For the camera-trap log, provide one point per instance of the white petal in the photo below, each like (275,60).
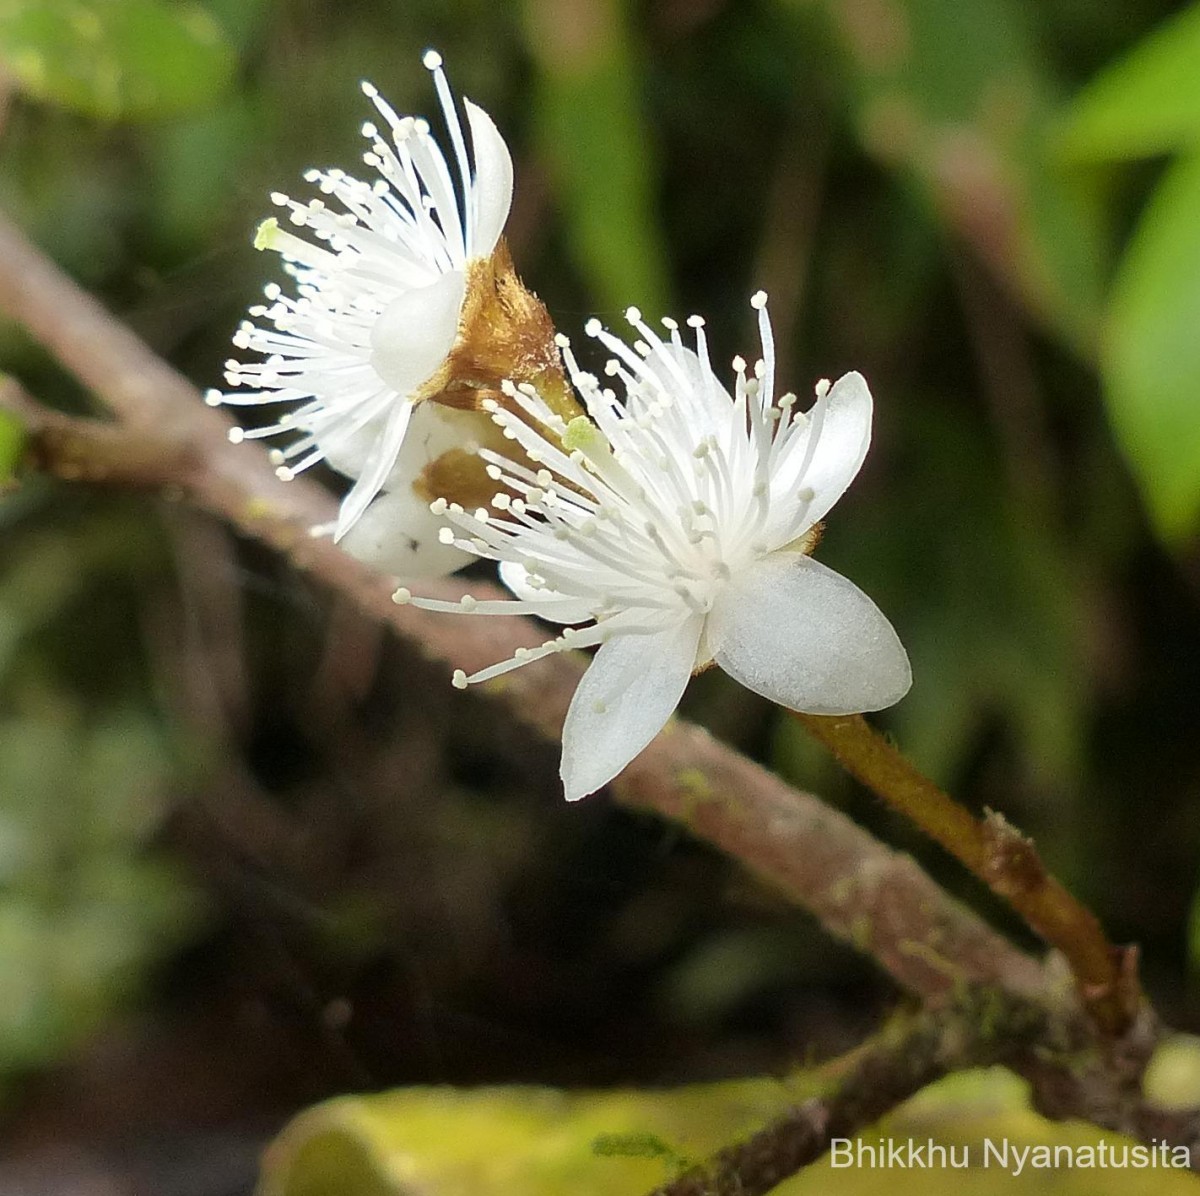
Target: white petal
(805,637)
(542,603)
(434,430)
(379,464)
(843,443)
(491,194)
(627,694)
(416,331)
(398,535)
(691,384)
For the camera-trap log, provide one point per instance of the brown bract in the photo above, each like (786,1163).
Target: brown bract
(505,334)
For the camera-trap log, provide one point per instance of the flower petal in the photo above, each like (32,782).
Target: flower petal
(692,385)
(379,465)
(543,603)
(805,637)
(434,430)
(416,331)
(398,535)
(491,193)
(623,700)
(843,437)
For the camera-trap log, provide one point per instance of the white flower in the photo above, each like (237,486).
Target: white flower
(676,527)
(377,305)
(398,533)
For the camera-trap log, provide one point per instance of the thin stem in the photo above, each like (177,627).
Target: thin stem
(911,1050)
(1004,859)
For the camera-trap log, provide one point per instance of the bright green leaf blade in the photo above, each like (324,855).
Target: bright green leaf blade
(1146,103)
(1152,354)
(12,449)
(114,59)
(596,142)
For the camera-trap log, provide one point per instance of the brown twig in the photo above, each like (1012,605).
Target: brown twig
(1004,859)
(85,450)
(912,1050)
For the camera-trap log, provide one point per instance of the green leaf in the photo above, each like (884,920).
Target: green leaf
(1144,104)
(594,137)
(1152,355)
(114,59)
(955,97)
(12,448)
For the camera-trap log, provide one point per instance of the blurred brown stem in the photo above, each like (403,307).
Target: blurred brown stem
(1004,859)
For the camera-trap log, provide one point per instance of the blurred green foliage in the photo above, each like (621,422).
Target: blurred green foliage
(1145,104)
(115,59)
(84,909)
(593,134)
(914,184)
(955,95)
(88,904)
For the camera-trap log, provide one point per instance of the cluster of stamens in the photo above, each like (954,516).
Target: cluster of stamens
(638,514)
(402,230)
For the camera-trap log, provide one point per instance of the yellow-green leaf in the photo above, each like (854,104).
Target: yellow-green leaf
(1146,103)
(12,448)
(542,1142)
